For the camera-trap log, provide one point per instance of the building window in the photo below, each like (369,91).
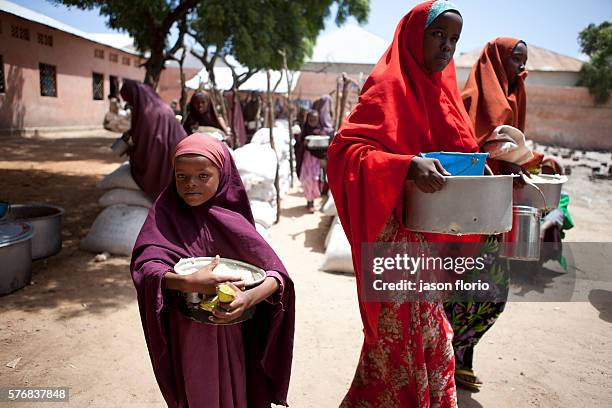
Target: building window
(126,61)
(20,32)
(136,63)
(99,54)
(48,80)
(113,57)
(98,86)
(45,39)
(2,88)
(114,86)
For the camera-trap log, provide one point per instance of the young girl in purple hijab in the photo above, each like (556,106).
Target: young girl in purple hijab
(205,212)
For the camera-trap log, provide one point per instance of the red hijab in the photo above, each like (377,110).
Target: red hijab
(403,110)
(485,94)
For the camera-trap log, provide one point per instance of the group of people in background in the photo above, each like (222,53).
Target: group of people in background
(414,353)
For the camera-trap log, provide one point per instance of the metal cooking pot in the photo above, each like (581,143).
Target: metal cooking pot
(543,192)
(465,205)
(522,242)
(47,222)
(15,256)
(317,142)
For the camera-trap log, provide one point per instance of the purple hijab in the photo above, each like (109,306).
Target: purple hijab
(224,225)
(154,132)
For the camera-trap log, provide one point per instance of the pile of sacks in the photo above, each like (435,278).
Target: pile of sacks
(125,206)
(257,164)
(337,246)
(116,228)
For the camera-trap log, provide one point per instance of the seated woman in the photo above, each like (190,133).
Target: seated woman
(205,212)
(202,112)
(154,134)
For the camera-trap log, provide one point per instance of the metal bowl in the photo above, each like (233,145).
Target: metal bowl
(47,222)
(15,256)
(316,142)
(465,205)
(189,303)
(543,192)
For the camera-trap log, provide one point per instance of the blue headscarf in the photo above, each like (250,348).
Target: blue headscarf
(439,7)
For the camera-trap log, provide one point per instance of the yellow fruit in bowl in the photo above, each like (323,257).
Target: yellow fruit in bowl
(225,293)
(209,304)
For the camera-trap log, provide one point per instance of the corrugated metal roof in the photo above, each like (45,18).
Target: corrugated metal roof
(108,39)
(540,59)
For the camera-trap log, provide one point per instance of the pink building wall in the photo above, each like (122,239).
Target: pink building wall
(23,108)
(567,116)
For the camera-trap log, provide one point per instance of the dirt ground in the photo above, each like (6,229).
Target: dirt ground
(77,325)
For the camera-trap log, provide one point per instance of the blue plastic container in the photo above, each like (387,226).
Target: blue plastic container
(460,164)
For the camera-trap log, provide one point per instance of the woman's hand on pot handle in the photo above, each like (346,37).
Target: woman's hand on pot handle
(427,174)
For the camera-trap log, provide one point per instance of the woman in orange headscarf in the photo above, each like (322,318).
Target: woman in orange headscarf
(494,95)
(409,104)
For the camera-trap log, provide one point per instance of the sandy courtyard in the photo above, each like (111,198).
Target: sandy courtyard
(78,326)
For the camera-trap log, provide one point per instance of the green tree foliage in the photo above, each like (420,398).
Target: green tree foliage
(148,22)
(253,32)
(596,42)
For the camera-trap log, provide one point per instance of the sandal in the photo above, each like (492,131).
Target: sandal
(466,378)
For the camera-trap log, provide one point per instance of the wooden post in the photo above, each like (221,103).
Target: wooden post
(289,117)
(345,83)
(272,144)
(337,106)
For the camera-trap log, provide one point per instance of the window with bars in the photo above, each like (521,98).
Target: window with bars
(98,86)
(2,88)
(48,80)
(20,32)
(98,53)
(113,57)
(126,61)
(45,39)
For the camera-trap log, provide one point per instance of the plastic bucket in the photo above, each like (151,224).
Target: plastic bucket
(460,164)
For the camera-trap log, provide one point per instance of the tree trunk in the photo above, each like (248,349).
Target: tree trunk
(183,99)
(155,63)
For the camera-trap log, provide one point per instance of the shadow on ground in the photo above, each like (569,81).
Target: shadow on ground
(15,148)
(70,281)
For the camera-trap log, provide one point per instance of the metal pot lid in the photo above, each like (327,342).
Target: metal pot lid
(14,232)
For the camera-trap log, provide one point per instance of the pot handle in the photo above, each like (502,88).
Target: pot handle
(527,180)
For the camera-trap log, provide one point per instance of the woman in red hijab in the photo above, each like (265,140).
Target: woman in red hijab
(409,104)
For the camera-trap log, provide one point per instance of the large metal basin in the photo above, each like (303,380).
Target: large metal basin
(15,256)
(543,193)
(47,222)
(465,205)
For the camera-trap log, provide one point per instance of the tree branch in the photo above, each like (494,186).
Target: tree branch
(179,12)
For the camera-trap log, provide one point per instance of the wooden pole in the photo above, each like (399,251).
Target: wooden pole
(337,106)
(289,116)
(272,144)
(345,83)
